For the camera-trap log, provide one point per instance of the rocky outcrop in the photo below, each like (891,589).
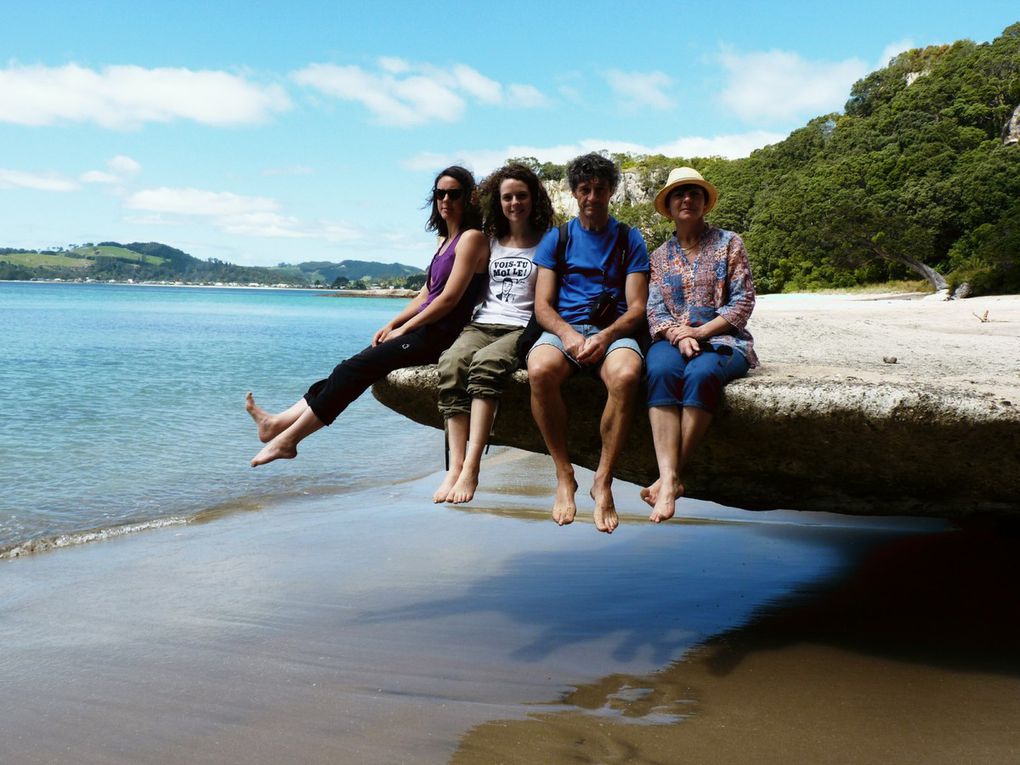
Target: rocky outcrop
(629,191)
(1011,130)
(807,444)
(885,425)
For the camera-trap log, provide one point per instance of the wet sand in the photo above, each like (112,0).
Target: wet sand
(375,627)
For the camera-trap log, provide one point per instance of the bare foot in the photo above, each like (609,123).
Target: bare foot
(650,494)
(605,509)
(564,507)
(274,451)
(665,502)
(266,423)
(443,492)
(464,489)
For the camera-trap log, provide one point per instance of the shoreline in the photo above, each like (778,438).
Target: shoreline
(331,631)
(397,292)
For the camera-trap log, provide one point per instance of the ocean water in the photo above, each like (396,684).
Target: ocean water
(122,407)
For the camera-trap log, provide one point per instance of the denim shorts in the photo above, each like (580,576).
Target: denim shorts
(586,331)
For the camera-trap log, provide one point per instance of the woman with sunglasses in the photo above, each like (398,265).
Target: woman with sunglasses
(417,335)
(475,369)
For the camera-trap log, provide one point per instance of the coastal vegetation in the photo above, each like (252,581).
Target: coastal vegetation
(919,176)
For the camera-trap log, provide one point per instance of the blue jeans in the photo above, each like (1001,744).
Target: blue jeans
(674,380)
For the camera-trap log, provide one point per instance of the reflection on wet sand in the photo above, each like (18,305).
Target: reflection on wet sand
(913,655)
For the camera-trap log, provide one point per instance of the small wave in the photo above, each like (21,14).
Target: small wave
(251,503)
(71,539)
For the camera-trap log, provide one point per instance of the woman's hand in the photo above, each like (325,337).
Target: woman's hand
(676,334)
(689,347)
(382,335)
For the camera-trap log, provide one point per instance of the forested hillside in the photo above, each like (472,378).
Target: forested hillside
(918,176)
(155,262)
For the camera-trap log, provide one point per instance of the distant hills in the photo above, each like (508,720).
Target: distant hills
(155,262)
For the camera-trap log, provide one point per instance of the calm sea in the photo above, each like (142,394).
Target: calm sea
(122,407)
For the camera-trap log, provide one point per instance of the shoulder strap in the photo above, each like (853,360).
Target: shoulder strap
(561,248)
(622,241)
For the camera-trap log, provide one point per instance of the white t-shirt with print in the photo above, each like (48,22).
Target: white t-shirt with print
(511,295)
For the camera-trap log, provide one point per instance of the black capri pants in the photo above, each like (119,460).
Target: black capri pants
(352,377)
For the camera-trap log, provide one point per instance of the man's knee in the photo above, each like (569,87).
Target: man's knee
(624,374)
(547,367)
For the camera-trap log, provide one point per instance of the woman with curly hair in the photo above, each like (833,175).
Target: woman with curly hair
(417,335)
(475,369)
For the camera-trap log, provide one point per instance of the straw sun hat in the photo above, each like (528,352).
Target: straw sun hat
(685,176)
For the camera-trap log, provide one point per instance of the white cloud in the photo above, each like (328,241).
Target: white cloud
(779,85)
(477,84)
(124,165)
(236,214)
(262,224)
(119,170)
(128,96)
(394,65)
(393,101)
(641,89)
(525,97)
(404,94)
(18,179)
(484,161)
(731,146)
(892,50)
(197,202)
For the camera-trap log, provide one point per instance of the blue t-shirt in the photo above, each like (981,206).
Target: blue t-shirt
(591,266)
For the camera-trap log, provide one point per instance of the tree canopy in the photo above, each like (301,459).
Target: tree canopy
(912,178)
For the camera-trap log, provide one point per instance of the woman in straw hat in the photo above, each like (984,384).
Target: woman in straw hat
(700,298)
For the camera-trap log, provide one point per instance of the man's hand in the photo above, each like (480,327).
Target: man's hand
(594,350)
(573,343)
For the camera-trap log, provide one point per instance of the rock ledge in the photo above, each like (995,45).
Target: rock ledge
(935,434)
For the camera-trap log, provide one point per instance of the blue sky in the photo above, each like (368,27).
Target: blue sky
(263,132)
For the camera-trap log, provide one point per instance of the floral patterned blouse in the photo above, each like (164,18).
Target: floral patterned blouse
(717,283)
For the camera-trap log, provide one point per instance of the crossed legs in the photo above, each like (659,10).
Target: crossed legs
(281,433)
(676,433)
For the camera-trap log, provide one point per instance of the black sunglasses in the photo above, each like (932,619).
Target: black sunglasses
(453,194)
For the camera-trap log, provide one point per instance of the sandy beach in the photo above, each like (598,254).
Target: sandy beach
(379,628)
(971,344)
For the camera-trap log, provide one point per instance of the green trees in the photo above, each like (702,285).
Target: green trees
(913,177)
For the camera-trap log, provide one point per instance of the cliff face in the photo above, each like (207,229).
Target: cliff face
(826,424)
(628,191)
(1011,130)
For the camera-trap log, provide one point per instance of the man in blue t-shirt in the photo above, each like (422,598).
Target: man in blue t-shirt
(591,304)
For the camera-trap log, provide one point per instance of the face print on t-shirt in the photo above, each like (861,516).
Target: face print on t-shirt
(512,271)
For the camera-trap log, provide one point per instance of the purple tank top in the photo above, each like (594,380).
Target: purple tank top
(439,271)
